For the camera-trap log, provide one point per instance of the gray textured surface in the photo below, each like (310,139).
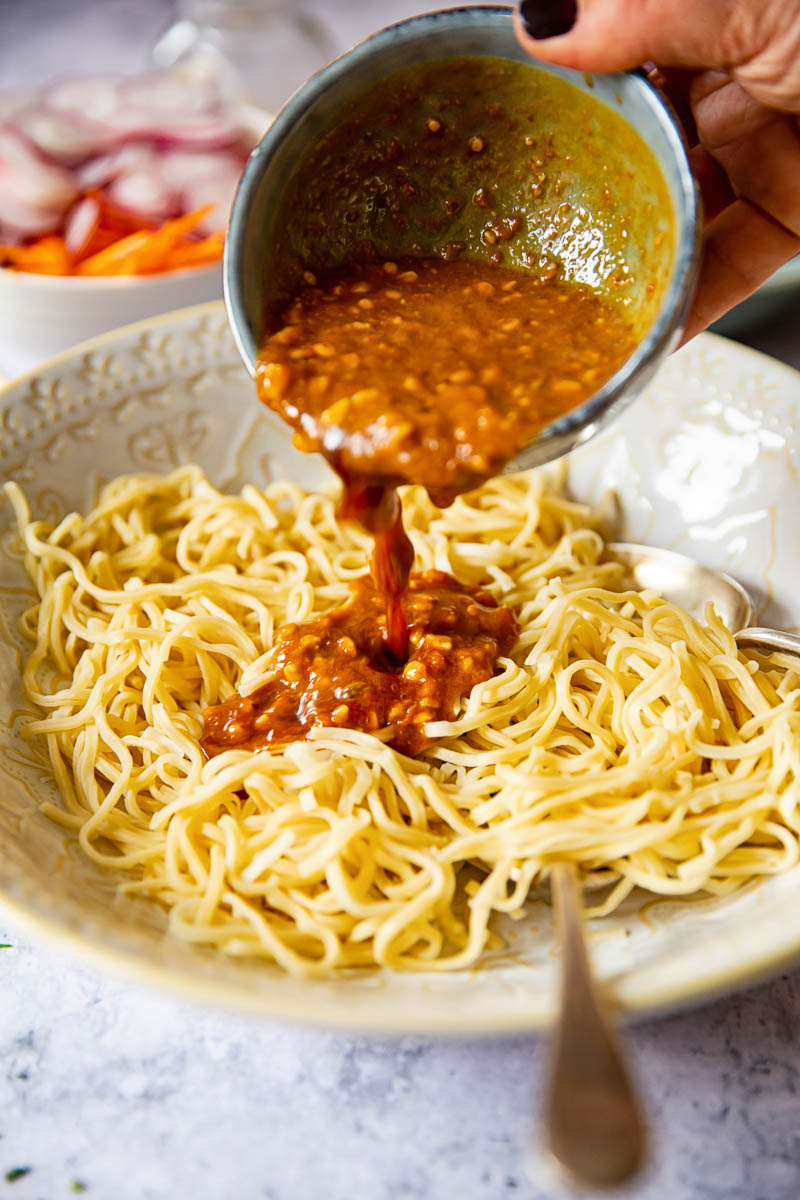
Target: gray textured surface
(141,1097)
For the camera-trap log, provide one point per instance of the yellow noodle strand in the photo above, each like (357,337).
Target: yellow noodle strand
(621,734)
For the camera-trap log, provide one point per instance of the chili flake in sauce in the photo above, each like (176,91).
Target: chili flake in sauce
(332,670)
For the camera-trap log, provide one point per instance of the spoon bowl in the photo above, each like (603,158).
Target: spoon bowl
(684,582)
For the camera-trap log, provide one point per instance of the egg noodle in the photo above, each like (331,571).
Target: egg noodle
(620,735)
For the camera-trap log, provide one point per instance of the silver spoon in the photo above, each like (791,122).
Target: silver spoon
(594,1124)
(685,582)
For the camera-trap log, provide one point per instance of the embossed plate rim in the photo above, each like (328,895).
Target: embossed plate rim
(665,991)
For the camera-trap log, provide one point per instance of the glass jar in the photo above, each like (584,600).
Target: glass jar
(258,50)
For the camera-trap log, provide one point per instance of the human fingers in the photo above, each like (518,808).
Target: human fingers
(615,35)
(745,156)
(743,246)
(715,187)
(757,147)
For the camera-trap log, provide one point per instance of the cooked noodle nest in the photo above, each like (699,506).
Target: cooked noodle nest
(621,734)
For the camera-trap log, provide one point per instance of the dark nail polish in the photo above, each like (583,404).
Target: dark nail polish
(547,18)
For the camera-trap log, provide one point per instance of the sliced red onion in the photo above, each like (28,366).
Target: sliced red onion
(90,98)
(97,172)
(12,102)
(183,166)
(163,108)
(9,236)
(170,95)
(217,188)
(136,179)
(26,220)
(18,155)
(63,137)
(70,139)
(217,133)
(157,145)
(205,179)
(145,193)
(34,194)
(81,223)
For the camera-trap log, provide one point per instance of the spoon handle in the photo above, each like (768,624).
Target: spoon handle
(594,1127)
(769,639)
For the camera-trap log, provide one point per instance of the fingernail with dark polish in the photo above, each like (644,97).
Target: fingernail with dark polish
(547,18)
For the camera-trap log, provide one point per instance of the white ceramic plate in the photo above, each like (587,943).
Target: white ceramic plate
(706,462)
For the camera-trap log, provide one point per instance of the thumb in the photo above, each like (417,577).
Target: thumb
(615,35)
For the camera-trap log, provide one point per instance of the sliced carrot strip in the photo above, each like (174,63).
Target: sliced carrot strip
(142,250)
(116,219)
(190,254)
(46,256)
(113,260)
(100,239)
(152,254)
(143,253)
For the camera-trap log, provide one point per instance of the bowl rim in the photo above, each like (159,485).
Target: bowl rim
(93,283)
(663,336)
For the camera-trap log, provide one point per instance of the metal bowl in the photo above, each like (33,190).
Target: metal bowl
(255,266)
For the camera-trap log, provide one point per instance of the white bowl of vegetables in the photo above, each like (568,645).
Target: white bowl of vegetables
(114,196)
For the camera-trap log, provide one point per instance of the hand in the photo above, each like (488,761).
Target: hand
(732,71)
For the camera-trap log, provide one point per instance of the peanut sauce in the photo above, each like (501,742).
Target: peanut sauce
(333,669)
(507,305)
(421,371)
(434,372)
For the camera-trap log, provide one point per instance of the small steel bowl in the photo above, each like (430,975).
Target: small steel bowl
(253,268)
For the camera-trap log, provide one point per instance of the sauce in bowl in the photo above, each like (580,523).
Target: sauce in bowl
(434,372)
